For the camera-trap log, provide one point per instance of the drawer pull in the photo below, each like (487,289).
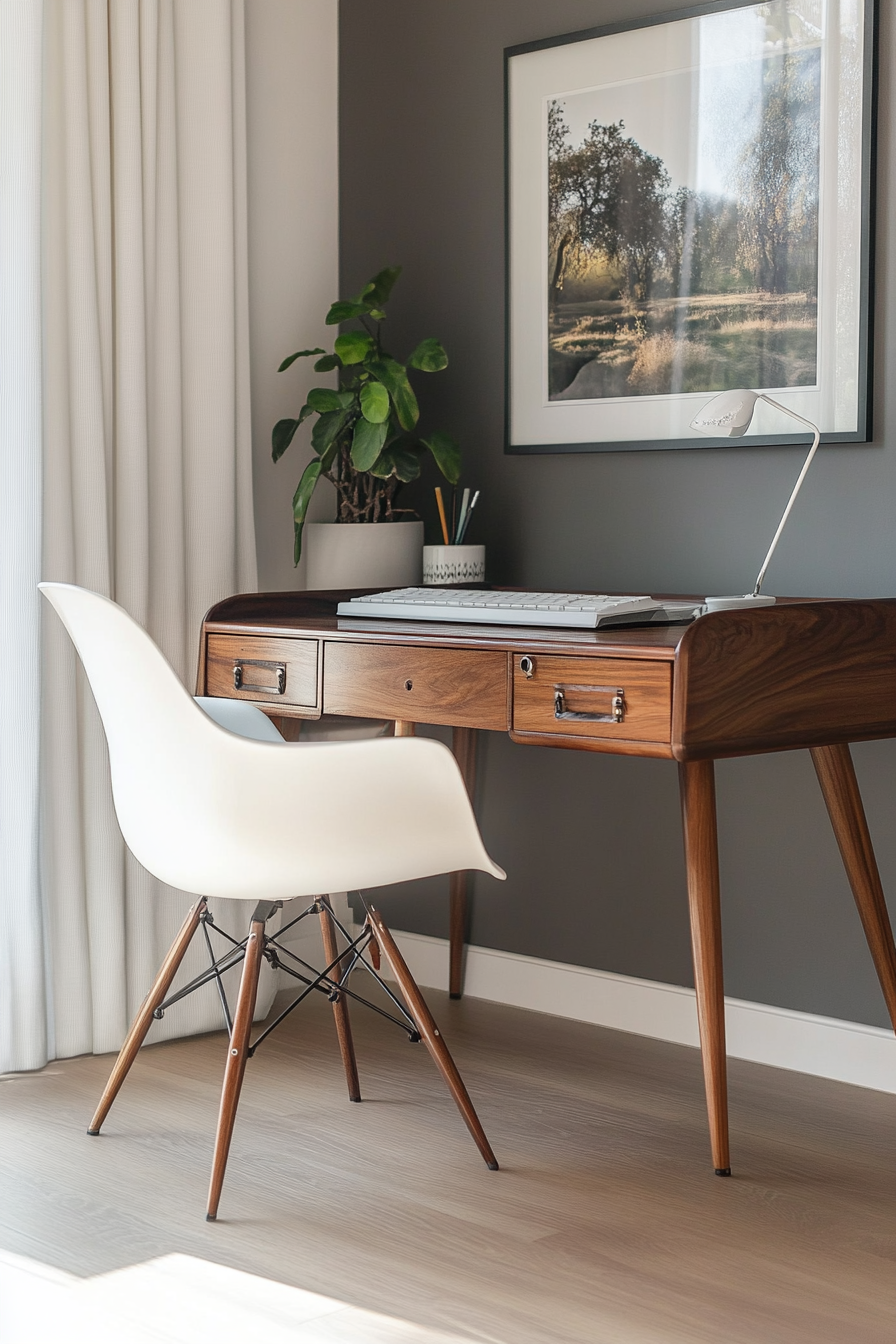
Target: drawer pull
(617,704)
(240,684)
(527,665)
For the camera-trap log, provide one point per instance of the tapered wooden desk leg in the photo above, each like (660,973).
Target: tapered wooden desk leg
(237,1054)
(143,1021)
(840,788)
(340,1004)
(431,1036)
(698,806)
(464,747)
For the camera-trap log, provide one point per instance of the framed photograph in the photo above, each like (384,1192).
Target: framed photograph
(689,211)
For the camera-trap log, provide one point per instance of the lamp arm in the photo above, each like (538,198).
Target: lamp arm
(796,489)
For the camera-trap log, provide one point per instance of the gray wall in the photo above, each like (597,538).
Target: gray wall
(591,843)
(292,154)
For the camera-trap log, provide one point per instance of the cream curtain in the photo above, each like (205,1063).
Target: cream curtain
(147,491)
(22,1016)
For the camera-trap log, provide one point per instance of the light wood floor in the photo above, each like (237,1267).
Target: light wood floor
(604,1224)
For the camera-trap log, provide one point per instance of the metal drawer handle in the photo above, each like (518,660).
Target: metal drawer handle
(617,704)
(240,684)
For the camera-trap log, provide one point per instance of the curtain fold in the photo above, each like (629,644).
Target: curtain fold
(147,493)
(23,1037)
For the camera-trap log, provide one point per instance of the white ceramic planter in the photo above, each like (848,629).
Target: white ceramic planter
(363,555)
(453,564)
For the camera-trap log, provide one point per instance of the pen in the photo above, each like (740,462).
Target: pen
(463,532)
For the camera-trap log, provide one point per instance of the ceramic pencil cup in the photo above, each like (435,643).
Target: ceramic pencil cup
(445,565)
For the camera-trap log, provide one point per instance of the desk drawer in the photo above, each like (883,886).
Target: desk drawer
(466,688)
(623,698)
(253,667)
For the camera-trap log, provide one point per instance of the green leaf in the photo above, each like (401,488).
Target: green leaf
(282,437)
(377,314)
(367,443)
(374,403)
(429,356)
(327,363)
(407,463)
(322,399)
(300,501)
(326,458)
(399,459)
(380,287)
(327,429)
(394,378)
(300,354)
(446,453)
(343,311)
(353,346)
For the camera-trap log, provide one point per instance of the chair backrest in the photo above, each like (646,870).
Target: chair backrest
(137,691)
(160,742)
(220,814)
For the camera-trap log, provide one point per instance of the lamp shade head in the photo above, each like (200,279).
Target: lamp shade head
(728,415)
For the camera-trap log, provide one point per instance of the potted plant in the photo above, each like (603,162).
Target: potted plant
(364,437)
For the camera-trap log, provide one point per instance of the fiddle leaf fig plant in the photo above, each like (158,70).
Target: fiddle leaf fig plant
(364,438)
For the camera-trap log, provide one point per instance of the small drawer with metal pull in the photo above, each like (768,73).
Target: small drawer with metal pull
(629,699)
(255,667)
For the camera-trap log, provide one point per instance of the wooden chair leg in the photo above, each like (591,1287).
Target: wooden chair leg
(143,1021)
(840,788)
(698,805)
(237,1054)
(431,1036)
(340,1003)
(464,747)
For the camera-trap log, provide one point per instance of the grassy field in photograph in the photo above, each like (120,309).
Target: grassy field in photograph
(610,348)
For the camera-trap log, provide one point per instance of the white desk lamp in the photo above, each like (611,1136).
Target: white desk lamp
(728,416)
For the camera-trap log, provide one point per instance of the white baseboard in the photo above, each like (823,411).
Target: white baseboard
(848,1052)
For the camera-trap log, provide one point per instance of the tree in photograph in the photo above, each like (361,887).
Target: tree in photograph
(560,230)
(607,197)
(637,235)
(583,193)
(683,250)
(778,176)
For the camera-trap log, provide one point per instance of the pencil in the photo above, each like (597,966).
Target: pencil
(444,520)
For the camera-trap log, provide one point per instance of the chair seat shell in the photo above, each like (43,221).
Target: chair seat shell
(226,816)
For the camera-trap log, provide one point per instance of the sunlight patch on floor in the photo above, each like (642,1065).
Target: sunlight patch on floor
(179,1299)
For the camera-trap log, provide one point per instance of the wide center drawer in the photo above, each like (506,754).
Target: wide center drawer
(270,670)
(466,688)
(623,698)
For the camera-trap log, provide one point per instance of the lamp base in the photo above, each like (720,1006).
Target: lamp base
(734,603)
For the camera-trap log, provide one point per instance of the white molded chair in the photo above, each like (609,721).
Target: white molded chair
(212,800)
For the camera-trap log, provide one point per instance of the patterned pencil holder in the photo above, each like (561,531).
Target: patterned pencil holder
(445,565)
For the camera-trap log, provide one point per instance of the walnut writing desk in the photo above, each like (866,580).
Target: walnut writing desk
(815,674)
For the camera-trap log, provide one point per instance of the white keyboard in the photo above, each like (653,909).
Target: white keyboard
(587,610)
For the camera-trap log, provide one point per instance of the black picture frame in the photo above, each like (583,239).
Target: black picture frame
(538,418)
